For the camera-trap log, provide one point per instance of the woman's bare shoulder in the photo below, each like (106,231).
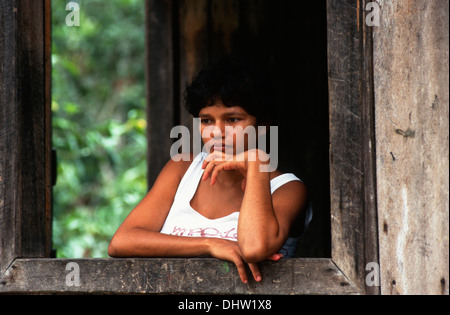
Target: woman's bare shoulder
(180,163)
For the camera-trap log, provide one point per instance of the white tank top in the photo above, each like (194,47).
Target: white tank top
(183,220)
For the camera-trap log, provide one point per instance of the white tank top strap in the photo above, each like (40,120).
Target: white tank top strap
(190,180)
(279,181)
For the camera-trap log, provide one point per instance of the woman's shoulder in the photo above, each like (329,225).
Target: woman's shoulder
(289,181)
(180,163)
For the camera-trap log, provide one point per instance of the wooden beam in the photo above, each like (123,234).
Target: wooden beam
(171,276)
(412,125)
(193,48)
(352,141)
(25,194)
(50,171)
(161,113)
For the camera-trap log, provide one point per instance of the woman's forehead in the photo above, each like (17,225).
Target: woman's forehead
(221,109)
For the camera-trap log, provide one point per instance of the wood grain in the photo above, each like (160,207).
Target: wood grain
(352,138)
(24,132)
(160,84)
(412,122)
(174,276)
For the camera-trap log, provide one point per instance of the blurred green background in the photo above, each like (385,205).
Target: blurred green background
(98,107)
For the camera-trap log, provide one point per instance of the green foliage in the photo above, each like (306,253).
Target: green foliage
(98,107)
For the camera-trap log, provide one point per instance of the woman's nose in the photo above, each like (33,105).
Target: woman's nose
(220,126)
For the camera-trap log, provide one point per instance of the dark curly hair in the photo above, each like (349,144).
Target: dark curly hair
(235,82)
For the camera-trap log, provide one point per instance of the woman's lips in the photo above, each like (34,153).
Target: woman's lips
(221,147)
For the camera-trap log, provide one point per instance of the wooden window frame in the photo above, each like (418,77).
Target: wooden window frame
(25,163)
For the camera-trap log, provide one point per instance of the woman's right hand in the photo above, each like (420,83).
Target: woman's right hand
(229,251)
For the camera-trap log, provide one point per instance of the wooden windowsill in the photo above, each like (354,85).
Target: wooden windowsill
(302,276)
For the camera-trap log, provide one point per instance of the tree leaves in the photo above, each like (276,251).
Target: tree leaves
(98,107)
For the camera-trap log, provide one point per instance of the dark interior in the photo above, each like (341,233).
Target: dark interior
(290,38)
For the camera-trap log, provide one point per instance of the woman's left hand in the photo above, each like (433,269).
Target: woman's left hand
(219,161)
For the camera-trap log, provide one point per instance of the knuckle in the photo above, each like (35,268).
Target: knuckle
(239,264)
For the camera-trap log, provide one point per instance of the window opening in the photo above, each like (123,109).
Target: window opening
(99,114)
(98,121)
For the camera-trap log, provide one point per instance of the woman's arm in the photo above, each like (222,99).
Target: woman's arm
(258,225)
(265,219)
(139,235)
(138,242)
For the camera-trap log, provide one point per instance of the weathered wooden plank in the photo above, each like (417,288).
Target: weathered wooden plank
(172,276)
(50,172)
(370,219)
(352,170)
(224,27)
(194,48)
(24,123)
(160,84)
(8,149)
(412,122)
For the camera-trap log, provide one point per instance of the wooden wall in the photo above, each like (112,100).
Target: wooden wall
(411,64)
(25,131)
(402,75)
(352,136)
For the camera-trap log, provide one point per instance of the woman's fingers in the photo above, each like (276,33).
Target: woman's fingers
(275,257)
(255,271)
(210,162)
(240,265)
(229,251)
(208,169)
(214,167)
(220,167)
(215,173)
(218,156)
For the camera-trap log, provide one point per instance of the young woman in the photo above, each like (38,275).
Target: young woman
(216,203)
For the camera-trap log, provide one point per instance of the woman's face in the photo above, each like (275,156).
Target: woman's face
(223,128)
